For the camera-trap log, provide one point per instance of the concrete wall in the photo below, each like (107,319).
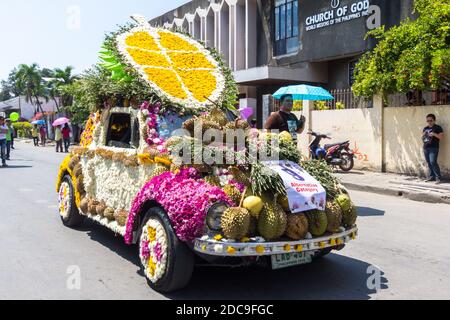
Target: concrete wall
(403,144)
(386,139)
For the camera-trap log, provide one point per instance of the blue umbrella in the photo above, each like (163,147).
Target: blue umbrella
(39,122)
(304,92)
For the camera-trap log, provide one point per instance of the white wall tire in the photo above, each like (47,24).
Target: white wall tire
(166,262)
(68,211)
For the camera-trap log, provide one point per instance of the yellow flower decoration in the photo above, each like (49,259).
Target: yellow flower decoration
(175,66)
(260,249)
(142,40)
(171,41)
(287,248)
(151,234)
(151,266)
(218,237)
(231,250)
(63,168)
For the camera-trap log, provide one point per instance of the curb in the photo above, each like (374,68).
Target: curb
(415,196)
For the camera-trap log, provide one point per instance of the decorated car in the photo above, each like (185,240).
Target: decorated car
(166,162)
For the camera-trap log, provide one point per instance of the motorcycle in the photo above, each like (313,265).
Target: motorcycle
(336,154)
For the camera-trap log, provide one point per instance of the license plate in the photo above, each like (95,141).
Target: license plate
(287,260)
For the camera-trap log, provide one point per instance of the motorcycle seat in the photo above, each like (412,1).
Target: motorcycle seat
(328,146)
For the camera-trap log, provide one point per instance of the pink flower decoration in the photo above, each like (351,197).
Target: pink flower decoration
(184,197)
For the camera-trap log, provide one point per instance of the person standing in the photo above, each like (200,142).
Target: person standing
(58,139)
(285,120)
(9,139)
(35,135)
(66,136)
(432,135)
(3,132)
(43,134)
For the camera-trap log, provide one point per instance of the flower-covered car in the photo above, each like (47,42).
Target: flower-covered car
(164,163)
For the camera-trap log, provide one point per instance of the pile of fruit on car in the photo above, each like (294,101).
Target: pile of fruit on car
(261,205)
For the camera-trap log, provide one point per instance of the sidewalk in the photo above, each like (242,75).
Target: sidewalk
(396,185)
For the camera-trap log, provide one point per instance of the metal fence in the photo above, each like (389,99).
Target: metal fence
(418,98)
(345,99)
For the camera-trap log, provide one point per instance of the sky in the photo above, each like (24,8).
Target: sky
(58,33)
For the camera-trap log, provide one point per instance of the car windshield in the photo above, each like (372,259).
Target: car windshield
(172,121)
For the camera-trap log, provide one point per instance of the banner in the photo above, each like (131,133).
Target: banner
(304,192)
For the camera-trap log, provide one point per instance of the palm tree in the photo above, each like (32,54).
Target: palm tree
(29,80)
(61,77)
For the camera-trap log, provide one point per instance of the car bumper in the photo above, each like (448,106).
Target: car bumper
(213,247)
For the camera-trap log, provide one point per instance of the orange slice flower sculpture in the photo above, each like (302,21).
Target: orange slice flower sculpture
(174,65)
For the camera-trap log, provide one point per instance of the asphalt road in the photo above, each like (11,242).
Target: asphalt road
(409,242)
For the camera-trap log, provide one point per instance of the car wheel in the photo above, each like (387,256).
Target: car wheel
(166,261)
(68,209)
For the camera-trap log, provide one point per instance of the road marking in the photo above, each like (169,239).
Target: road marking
(25,190)
(41,201)
(53,206)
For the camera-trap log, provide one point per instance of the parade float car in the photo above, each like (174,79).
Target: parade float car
(238,210)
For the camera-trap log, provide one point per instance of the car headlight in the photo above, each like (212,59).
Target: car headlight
(214,216)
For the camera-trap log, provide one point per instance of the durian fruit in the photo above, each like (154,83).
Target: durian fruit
(101,208)
(80,185)
(159,170)
(297,226)
(236,223)
(77,170)
(189,125)
(349,211)
(109,213)
(239,176)
(334,217)
(254,205)
(318,222)
(233,193)
(218,116)
(213,180)
(272,221)
(173,141)
(121,217)
(350,217)
(84,204)
(92,206)
(73,162)
(344,202)
(283,201)
(208,124)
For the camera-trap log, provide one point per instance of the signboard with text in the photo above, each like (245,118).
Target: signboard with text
(304,192)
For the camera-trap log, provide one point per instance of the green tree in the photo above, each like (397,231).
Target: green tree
(29,81)
(414,55)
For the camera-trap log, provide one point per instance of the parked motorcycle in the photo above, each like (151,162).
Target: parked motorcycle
(336,154)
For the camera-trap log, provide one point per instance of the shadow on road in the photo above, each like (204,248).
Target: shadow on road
(332,277)
(10,166)
(370,212)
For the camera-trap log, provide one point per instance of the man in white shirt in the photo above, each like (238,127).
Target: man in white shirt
(3,131)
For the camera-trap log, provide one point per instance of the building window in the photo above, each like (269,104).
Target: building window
(286,27)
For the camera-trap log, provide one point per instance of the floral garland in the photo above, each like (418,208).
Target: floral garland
(63,169)
(153,138)
(184,197)
(88,134)
(153,250)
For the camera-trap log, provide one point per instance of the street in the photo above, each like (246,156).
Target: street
(408,241)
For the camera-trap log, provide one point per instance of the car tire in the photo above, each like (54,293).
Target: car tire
(166,262)
(68,210)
